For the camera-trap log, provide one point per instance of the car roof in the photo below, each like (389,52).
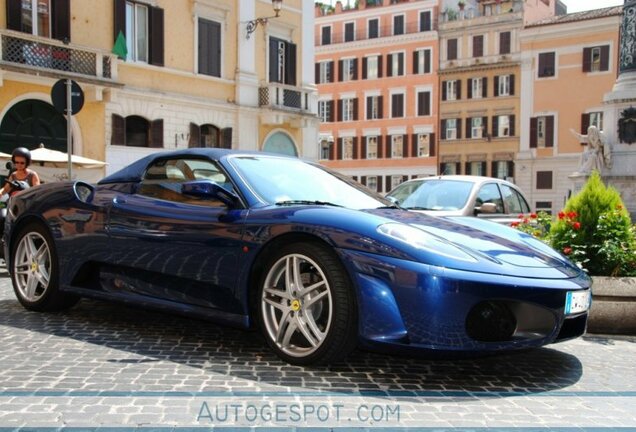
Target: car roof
(135,171)
(469,178)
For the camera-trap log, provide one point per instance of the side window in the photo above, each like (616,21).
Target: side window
(165,178)
(514,201)
(489,193)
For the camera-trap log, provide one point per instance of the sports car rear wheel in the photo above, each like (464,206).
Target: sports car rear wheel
(34,271)
(307,308)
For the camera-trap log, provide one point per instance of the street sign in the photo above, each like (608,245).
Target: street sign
(59,96)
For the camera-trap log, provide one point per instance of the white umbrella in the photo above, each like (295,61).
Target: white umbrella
(43,154)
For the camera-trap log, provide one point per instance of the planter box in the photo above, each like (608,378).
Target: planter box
(613,308)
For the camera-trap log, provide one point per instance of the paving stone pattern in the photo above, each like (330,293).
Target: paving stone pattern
(107,365)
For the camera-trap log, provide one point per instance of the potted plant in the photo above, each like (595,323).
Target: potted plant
(461,4)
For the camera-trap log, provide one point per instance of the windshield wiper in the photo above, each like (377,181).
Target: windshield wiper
(418,208)
(307,202)
(392,206)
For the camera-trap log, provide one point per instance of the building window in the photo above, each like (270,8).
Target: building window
(398,24)
(544,180)
(282,61)
(395,181)
(425,21)
(35,17)
(137,25)
(347,148)
(596,59)
(374,28)
(325,149)
(504,42)
(477,168)
(542,132)
(348,109)
(374,107)
(372,183)
(503,85)
(451,129)
(136,131)
(371,67)
(476,127)
(325,72)
(450,90)
(544,206)
(397,146)
(546,65)
(395,64)
(325,33)
(477,88)
(349,32)
(137,22)
(422,61)
(372,147)
(502,169)
(210,48)
(478,46)
(325,111)
(502,126)
(397,105)
(451,49)
(423,145)
(424,103)
(449,168)
(348,69)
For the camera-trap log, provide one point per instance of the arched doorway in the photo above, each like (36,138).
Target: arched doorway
(280,142)
(31,122)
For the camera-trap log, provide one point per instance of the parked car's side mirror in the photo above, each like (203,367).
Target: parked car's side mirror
(209,189)
(486,208)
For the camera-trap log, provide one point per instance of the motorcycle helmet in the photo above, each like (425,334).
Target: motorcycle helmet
(22,152)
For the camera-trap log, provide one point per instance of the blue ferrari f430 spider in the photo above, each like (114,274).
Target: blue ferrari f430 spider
(314,260)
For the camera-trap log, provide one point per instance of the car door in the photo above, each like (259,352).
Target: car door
(173,246)
(490,193)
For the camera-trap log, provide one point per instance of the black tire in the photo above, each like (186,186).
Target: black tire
(310,318)
(35,272)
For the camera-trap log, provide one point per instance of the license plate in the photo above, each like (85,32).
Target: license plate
(577,302)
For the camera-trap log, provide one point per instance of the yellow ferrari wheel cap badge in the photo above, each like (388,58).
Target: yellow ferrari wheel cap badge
(295,305)
(34,267)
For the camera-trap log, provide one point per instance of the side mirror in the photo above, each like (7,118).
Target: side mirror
(393,199)
(9,166)
(209,189)
(489,208)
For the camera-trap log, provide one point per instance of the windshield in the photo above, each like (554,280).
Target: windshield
(293,181)
(443,195)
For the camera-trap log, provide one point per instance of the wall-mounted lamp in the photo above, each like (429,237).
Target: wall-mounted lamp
(251,25)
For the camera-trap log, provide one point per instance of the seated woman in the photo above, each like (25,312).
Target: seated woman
(21,158)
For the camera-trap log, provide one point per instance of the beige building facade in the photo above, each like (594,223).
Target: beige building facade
(191,77)
(568,64)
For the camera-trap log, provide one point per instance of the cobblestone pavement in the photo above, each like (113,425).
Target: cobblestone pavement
(107,365)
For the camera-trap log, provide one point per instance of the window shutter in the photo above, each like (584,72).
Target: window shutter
(369,111)
(330,72)
(226,136)
(380,148)
(427,61)
(363,180)
(484,87)
(389,64)
(451,49)
(459,129)
(331,110)
(355,148)
(431,144)
(340,104)
(495,126)
(420,103)
(469,129)
(533,132)
(156,37)
(61,20)
(512,84)
(380,106)
(587,59)
(427,103)
(469,90)
(332,152)
(444,90)
(511,123)
(458,167)
(414,145)
(364,67)
(273,60)
(504,43)
(119,18)
(496,89)
(467,167)
(210,49)
(484,125)
(605,57)
(388,148)
(340,70)
(380,66)
(478,46)
(339,144)
(363,145)
(195,136)
(493,169)
(484,168)
(416,56)
(379,186)
(585,123)
(511,168)
(316,69)
(290,64)
(156,134)
(425,21)
(400,64)
(387,183)
(355,69)
(549,131)
(405,146)
(14,15)
(118,136)
(355,109)
(459,89)
(443,129)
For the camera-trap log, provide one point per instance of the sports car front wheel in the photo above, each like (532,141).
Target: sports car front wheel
(307,307)
(34,271)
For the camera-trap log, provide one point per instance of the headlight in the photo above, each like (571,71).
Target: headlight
(422,240)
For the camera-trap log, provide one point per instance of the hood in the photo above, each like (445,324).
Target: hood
(493,248)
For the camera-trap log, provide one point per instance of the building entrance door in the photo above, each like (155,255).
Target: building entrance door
(31,122)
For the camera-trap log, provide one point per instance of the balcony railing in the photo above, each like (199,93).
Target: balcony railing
(363,34)
(285,97)
(31,52)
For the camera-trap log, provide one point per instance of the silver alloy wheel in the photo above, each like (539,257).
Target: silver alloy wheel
(297,305)
(32,266)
